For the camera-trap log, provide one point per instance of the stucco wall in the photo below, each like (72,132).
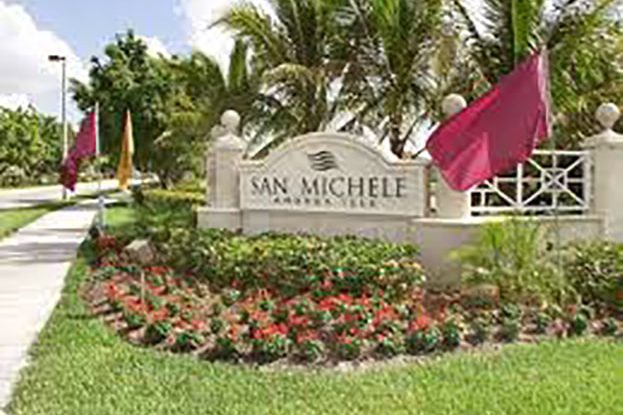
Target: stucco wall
(438,238)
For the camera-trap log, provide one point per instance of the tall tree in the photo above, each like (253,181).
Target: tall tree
(581,37)
(212,91)
(30,146)
(204,92)
(389,78)
(128,79)
(292,50)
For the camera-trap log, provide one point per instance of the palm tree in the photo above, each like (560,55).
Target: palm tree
(292,50)
(390,81)
(581,37)
(211,91)
(204,92)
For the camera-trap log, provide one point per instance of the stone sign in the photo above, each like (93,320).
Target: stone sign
(326,172)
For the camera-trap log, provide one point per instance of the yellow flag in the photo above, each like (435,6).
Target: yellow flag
(124,171)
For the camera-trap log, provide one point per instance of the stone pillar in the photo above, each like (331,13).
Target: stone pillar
(607,157)
(223,176)
(450,203)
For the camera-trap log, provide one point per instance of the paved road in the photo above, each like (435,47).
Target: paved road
(33,265)
(18,198)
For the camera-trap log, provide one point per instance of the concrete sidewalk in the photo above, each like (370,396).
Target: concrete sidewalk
(33,265)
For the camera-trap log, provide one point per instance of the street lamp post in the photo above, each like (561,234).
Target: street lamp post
(63,61)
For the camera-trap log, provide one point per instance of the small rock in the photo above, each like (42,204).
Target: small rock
(140,251)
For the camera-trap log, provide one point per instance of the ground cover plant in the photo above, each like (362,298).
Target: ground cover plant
(80,366)
(303,299)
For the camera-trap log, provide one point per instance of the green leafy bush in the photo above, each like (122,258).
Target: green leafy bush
(175,197)
(423,341)
(30,149)
(509,330)
(514,255)
(595,269)
(159,211)
(291,263)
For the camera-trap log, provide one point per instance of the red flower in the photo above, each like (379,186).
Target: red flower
(422,322)
(197,324)
(298,321)
(345,299)
(270,331)
(233,332)
(327,304)
(387,313)
(305,336)
(136,306)
(113,292)
(259,316)
(158,270)
(344,339)
(158,315)
(365,302)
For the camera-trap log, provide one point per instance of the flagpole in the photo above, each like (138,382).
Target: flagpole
(100,197)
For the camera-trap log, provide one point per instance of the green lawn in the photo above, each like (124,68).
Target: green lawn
(13,219)
(80,367)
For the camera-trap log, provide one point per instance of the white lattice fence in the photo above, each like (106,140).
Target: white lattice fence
(551,181)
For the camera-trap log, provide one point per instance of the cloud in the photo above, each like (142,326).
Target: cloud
(26,76)
(155,46)
(14,101)
(199,15)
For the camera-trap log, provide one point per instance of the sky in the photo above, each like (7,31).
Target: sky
(30,30)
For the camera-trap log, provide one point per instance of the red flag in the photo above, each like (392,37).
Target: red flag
(85,147)
(497,131)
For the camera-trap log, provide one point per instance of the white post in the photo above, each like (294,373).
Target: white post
(223,175)
(450,203)
(607,154)
(64,117)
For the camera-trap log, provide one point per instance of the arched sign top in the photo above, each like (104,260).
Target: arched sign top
(349,142)
(332,172)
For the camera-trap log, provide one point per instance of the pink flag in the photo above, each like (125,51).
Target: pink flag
(497,131)
(85,147)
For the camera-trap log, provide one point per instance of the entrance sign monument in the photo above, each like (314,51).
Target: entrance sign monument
(336,184)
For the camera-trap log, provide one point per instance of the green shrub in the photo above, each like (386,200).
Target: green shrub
(595,269)
(159,211)
(174,197)
(479,331)
(609,327)
(515,256)
(157,332)
(451,334)
(509,330)
(578,324)
(542,322)
(423,341)
(291,263)
(271,349)
(311,350)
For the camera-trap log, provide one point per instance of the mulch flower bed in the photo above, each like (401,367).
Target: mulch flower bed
(323,324)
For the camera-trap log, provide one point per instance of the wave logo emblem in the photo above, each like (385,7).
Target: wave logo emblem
(323,161)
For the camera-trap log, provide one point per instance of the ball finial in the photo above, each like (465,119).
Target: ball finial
(231,121)
(607,115)
(453,104)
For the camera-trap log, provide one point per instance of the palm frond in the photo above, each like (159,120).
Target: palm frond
(249,22)
(238,76)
